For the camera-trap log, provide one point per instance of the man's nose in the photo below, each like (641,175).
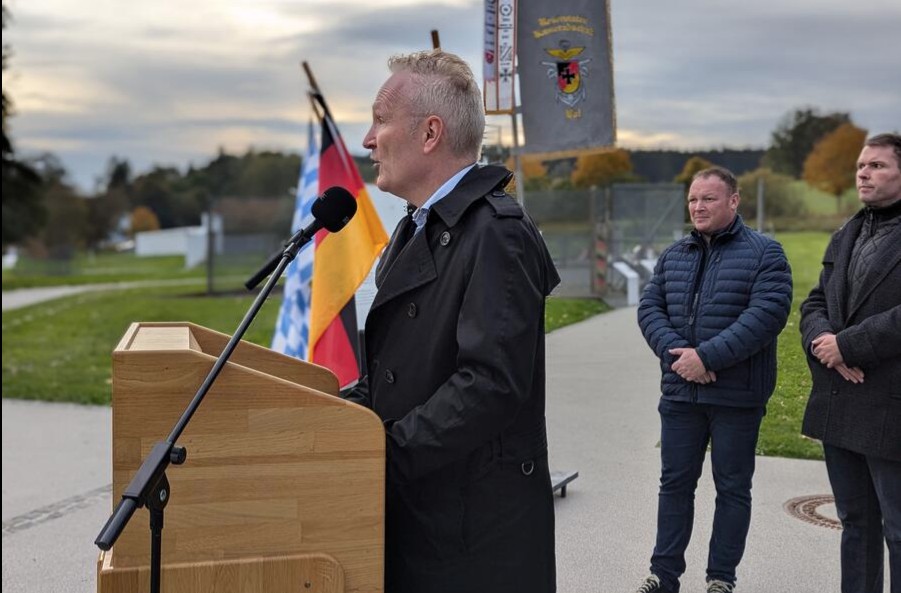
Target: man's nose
(369,140)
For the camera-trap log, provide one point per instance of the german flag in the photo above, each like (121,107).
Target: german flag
(341,262)
(317,320)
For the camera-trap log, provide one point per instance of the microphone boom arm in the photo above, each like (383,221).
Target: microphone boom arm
(152,470)
(292,248)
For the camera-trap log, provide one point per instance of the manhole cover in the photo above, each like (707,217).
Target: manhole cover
(805,508)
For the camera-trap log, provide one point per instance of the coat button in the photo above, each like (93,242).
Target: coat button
(389,376)
(527,467)
(445,238)
(411,310)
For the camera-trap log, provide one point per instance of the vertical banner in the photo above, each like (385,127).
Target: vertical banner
(566,75)
(489,57)
(500,56)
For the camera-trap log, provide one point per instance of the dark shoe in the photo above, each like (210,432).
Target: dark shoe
(716,586)
(652,584)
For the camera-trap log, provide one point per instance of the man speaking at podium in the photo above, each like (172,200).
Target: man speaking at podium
(455,348)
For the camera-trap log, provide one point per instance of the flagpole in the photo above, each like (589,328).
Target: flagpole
(310,77)
(316,96)
(517,162)
(367,228)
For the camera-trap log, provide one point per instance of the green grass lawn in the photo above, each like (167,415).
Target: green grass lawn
(100,268)
(60,350)
(820,203)
(780,434)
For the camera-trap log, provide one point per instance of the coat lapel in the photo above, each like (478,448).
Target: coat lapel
(408,265)
(399,240)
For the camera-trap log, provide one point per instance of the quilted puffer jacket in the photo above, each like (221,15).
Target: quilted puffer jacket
(729,300)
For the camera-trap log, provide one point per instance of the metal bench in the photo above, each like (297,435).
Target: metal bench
(559,480)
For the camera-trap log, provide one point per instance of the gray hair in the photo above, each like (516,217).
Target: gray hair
(446,87)
(721,173)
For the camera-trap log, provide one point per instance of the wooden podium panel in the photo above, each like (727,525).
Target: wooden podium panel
(281,476)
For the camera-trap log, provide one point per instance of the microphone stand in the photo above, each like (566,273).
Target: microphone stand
(150,487)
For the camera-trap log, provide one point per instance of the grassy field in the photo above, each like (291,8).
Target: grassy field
(780,434)
(820,203)
(102,268)
(60,351)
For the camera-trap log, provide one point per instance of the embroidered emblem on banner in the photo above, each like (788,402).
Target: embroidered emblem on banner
(567,72)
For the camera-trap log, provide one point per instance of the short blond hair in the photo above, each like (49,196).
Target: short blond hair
(446,87)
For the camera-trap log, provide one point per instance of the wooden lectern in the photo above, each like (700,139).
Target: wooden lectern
(283,488)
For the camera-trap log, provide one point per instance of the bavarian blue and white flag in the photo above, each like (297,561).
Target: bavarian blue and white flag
(292,330)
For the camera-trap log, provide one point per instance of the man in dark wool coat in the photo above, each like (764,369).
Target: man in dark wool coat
(851,328)
(455,348)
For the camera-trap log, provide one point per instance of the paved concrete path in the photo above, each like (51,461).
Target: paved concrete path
(22,297)
(602,398)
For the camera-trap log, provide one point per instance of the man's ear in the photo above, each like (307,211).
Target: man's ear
(734,199)
(433,131)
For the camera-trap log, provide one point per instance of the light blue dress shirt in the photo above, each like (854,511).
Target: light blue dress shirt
(420,215)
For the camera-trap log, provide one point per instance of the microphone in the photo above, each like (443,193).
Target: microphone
(331,211)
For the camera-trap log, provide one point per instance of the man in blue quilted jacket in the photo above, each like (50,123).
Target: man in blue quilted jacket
(711,313)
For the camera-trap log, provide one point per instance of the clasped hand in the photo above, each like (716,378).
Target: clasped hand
(689,366)
(825,348)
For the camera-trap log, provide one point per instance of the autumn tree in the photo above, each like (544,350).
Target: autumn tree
(691,168)
(795,137)
(533,170)
(831,164)
(143,219)
(64,232)
(602,168)
(779,200)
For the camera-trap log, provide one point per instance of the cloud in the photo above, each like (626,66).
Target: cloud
(156,82)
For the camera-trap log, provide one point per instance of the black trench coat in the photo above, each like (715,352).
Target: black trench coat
(455,361)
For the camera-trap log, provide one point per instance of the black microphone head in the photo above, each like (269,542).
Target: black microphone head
(334,208)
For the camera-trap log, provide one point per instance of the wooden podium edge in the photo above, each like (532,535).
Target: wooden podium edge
(309,573)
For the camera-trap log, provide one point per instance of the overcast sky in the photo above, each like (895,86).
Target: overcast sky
(170,82)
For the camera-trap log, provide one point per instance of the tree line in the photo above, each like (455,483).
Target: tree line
(46,213)
(817,148)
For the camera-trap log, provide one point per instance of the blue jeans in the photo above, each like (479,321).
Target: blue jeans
(868,501)
(686,429)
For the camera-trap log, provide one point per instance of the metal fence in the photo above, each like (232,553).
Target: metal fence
(602,238)
(591,235)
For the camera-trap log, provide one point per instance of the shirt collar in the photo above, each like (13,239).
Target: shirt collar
(421,213)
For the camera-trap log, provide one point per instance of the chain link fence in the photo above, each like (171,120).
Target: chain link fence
(603,237)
